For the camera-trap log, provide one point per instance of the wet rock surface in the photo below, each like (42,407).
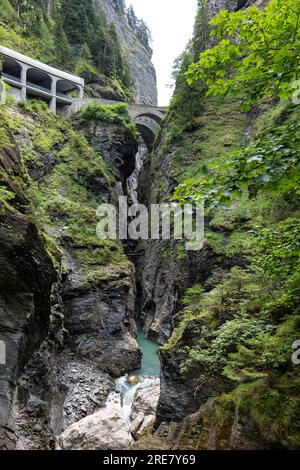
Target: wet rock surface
(26,278)
(180,394)
(100,323)
(87,388)
(143,409)
(145,425)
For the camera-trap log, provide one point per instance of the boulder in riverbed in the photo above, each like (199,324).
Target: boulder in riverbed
(105,430)
(133,380)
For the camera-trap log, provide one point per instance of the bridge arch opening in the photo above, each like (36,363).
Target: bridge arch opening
(152,116)
(148,127)
(67,89)
(147,136)
(39,80)
(12,70)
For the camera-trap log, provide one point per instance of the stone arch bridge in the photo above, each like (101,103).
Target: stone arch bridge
(148,120)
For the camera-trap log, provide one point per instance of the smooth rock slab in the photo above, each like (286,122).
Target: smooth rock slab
(145,401)
(136,424)
(105,430)
(147,422)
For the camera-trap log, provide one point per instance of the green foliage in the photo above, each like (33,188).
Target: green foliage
(7,10)
(64,180)
(198,138)
(257,54)
(13,37)
(280,248)
(201,29)
(239,326)
(263,351)
(75,163)
(274,406)
(231,219)
(115,114)
(236,334)
(83,160)
(5,195)
(271,163)
(143,33)
(193,295)
(187,101)
(215,353)
(5,141)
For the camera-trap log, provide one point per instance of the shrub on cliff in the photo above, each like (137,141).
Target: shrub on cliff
(115,114)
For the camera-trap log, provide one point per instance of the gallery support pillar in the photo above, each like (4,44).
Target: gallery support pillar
(23,83)
(53,93)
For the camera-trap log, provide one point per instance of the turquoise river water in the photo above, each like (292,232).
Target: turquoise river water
(150,366)
(122,397)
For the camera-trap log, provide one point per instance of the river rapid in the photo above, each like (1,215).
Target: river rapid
(123,395)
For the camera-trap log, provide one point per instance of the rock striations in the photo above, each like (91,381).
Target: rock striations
(138,56)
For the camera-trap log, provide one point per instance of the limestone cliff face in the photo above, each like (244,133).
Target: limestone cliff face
(138,57)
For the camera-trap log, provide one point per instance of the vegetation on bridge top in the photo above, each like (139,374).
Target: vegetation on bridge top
(112,114)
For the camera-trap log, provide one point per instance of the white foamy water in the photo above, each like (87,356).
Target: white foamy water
(122,397)
(133,180)
(113,400)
